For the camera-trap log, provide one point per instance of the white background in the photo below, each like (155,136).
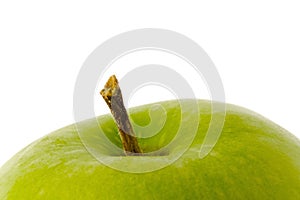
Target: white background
(255,46)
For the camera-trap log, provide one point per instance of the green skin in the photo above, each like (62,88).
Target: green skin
(253,159)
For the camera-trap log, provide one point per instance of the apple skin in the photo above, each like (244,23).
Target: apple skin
(253,159)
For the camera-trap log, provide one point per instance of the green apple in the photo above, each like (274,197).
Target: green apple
(253,159)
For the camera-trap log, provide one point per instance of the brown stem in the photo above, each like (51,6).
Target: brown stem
(113,97)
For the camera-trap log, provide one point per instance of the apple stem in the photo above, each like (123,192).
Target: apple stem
(113,97)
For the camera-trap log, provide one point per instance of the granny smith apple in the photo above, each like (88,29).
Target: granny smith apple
(253,159)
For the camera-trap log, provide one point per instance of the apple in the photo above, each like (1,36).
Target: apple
(253,159)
